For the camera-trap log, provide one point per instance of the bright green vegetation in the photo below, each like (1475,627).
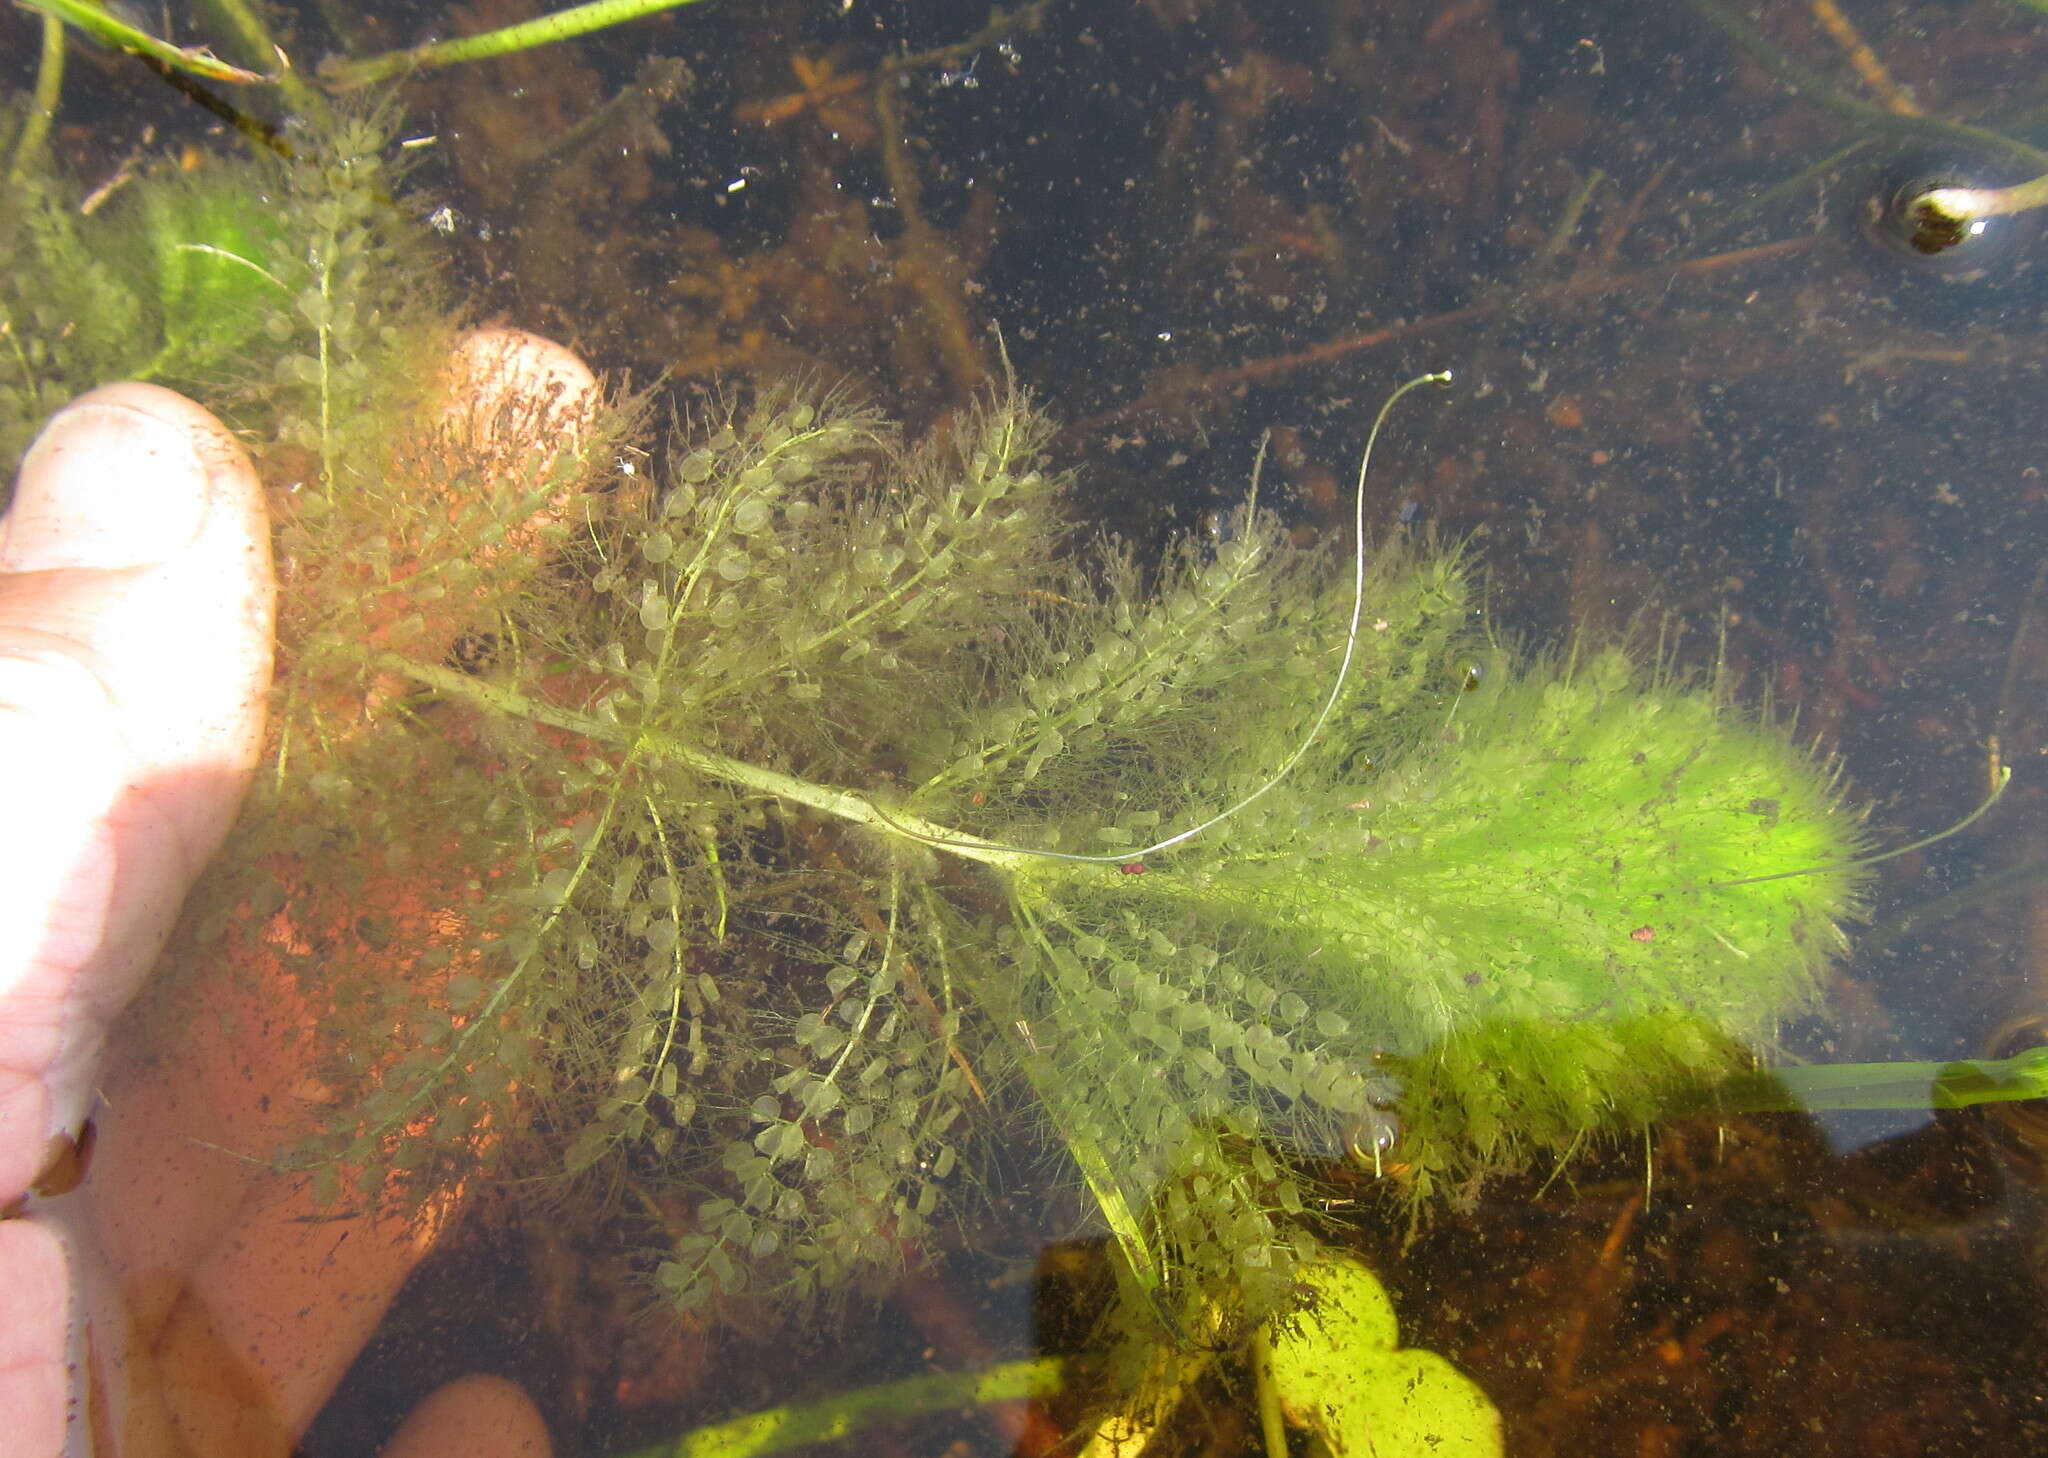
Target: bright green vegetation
(794,1427)
(1338,1369)
(572,820)
(1330,1363)
(247,31)
(271,291)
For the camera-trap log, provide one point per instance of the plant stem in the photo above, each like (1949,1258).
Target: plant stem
(42,106)
(830,800)
(96,22)
(1963,204)
(252,41)
(1272,1422)
(779,1429)
(346,75)
(1954,1085)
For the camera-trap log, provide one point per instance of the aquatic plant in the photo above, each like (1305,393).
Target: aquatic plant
(270,288)
(248,34)
(1338,1369)
(760,822)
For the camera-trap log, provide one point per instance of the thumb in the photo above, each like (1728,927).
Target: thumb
(135,619)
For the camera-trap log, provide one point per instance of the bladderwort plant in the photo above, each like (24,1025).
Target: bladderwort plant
(761,826)
(194,280)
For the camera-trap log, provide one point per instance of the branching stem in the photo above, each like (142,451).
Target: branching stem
(843,804)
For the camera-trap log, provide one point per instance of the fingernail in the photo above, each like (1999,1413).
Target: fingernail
(104,485)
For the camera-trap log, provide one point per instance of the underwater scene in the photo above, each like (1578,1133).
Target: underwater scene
(1099,727)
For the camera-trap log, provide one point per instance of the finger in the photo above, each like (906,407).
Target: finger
(473,1417)
(223,1092)
(508,388)
(271,1322)
(275,1296)
(135,620)
(35,1310)
(187,1130)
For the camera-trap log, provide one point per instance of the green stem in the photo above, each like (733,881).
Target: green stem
(252,41)
(1954,1085)
(345,75)
(42,106)
(1315,728)
(97,23)
(2000,778)
(1958,207)
(827,799)
(1272,1421)
(780,1429)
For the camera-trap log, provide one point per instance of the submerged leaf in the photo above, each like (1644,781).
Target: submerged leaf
(1336,1369)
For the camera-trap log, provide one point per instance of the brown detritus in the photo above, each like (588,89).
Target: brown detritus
(509,113)
(1165,397)
(1318,484)
(1679,1296)
(935,273)
(836,100)
(1866,62)
(1616,234)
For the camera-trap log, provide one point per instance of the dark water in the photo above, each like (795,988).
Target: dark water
(1699,391)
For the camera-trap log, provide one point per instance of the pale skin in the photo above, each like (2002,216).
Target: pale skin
(176,1303)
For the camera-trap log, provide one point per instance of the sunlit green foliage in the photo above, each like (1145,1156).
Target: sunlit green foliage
(270,287)
(1336,1368)
(569,834)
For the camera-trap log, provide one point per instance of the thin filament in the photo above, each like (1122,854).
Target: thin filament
(1128,857)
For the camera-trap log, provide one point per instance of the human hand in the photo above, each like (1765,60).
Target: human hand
(135,619)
